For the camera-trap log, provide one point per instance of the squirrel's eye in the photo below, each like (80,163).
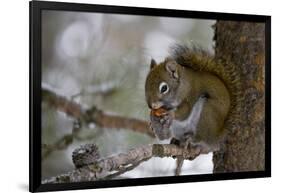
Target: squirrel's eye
(163,88)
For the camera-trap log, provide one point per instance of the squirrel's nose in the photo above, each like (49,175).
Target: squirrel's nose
(156,105)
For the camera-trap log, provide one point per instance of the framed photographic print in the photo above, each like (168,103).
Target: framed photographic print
(125,96)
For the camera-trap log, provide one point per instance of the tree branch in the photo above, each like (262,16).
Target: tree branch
(120,163)
(102,168)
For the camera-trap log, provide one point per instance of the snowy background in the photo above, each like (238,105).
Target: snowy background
(102,60)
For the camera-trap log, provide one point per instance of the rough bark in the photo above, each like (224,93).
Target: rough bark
(243,44)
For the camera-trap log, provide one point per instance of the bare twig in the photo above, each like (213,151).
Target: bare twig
(63,142)
(94,115)
(60,144)
(123,162)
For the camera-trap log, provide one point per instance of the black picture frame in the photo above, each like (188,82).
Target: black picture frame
(36,8)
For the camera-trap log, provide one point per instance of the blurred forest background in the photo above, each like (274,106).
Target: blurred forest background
(102,60)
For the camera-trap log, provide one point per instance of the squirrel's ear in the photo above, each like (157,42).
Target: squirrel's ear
(172,68)
(152,63)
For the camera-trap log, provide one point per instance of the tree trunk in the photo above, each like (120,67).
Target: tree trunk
(243,44)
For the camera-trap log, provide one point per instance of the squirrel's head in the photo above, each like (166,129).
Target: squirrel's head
(162,85)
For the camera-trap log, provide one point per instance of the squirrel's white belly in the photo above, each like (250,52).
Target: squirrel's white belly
(179,128)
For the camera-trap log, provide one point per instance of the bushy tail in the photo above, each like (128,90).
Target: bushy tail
(200,60)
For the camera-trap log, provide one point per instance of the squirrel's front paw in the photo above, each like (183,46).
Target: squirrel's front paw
(166,121)
(161,126)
